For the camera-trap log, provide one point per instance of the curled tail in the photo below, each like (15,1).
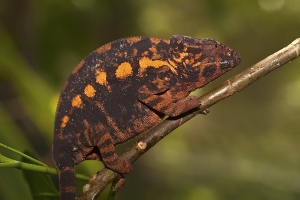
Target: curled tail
(64,163)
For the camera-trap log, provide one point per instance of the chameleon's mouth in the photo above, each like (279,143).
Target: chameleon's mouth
(236,57)
(225,63)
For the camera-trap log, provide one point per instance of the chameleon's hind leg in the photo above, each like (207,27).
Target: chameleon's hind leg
(109,156)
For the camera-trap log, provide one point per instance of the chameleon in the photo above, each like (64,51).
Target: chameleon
(124,88)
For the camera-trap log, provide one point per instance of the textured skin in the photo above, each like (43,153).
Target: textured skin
(124,88)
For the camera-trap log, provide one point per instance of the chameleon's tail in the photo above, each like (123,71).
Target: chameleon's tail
(66,174)
(67,184)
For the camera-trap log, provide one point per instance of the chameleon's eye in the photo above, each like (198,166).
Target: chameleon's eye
(175,53)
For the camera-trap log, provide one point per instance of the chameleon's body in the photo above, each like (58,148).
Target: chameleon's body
(124,88)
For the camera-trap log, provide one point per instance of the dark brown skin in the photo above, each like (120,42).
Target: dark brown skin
(124,88)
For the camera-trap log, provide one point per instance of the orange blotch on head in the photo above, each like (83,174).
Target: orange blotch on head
(77,102)
(64,121)
(146,62)
(156,41)
(155,54)
(153,49)
(198,55)
(89,91)
(187,61)
(124,70)
(197,64)
(181,56)
(145,53)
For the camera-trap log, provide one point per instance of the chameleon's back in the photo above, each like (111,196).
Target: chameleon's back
(124,88)
(103,89)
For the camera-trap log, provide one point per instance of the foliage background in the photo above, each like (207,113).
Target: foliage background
(246,148)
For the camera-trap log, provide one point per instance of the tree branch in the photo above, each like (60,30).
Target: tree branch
(99,181)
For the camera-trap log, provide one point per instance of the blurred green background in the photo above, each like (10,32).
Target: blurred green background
(246,148)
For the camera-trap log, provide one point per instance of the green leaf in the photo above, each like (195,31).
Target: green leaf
(41,186)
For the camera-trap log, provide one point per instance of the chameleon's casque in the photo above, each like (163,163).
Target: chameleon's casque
(124,88)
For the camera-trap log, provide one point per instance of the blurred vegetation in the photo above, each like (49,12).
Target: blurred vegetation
(246,148)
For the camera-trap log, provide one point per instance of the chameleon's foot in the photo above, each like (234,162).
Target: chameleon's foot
(119,184)
(118,164)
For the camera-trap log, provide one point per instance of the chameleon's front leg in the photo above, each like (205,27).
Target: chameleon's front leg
(156,96)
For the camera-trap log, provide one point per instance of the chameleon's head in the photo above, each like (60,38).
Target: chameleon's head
(202,60)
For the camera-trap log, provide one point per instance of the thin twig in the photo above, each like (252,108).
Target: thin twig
(23,155)
(99,181)
(37,165)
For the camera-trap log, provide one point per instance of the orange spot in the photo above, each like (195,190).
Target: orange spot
(146,62)
(133,39)
(155,55)
(181,56)
(197,64)
(145,53)
(101,78)
(124,70)
(69,189)
(64,121)
(135,51)
(77,102)
(156,40)
(198,55)
(89,91)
